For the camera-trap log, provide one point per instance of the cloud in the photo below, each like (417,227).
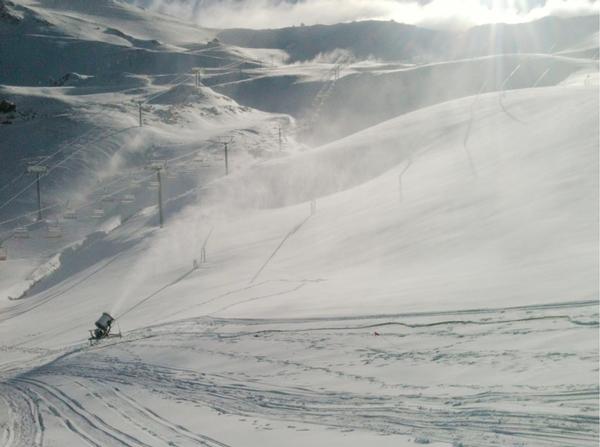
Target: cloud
(262,14)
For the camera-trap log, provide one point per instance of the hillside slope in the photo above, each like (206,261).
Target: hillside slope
(46,40)
(428,276)
(438,243)
(477,226)
(391,41)
(369,92)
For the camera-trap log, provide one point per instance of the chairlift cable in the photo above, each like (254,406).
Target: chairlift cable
(14,180)
(17,195)
(83,205)
(192,152)
(156,95)
(44,159)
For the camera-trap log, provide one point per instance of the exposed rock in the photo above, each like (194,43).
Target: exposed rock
(69,79)
(213,43)
(7,106)
(6,15)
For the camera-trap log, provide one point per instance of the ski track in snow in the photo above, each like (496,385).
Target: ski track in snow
(341,351)
(486,377)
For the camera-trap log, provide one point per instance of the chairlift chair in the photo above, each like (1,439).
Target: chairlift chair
(108,198)
(103,328)
(202,162)
(188,169)
(21,233)
(128,198)
(69,214)
(157,165)
(98,213)
(54,232)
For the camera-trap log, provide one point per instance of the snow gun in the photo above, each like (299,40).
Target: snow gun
(103,327)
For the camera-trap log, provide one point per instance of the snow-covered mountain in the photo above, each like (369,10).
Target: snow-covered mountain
(391,41)
(428,276)
(408,67)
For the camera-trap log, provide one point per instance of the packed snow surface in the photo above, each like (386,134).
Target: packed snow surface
(431,279)
(418,234)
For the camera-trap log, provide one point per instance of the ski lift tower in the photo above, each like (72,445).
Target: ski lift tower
(197,75)
(39,171)
(140,109)
(158,166)
(3,249)
(280,138)
(225,142)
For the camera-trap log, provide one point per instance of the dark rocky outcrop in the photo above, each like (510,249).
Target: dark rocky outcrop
(7,106)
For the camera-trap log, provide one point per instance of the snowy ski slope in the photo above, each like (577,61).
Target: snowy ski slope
(454,274)
(431,279)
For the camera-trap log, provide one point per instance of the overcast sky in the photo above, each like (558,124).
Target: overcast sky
(430,13)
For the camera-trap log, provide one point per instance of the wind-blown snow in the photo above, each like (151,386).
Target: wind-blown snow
(430,279)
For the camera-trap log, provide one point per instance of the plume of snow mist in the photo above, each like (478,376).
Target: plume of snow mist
(170,254)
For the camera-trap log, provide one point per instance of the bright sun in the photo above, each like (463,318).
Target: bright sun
(460,13)
(494,11)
